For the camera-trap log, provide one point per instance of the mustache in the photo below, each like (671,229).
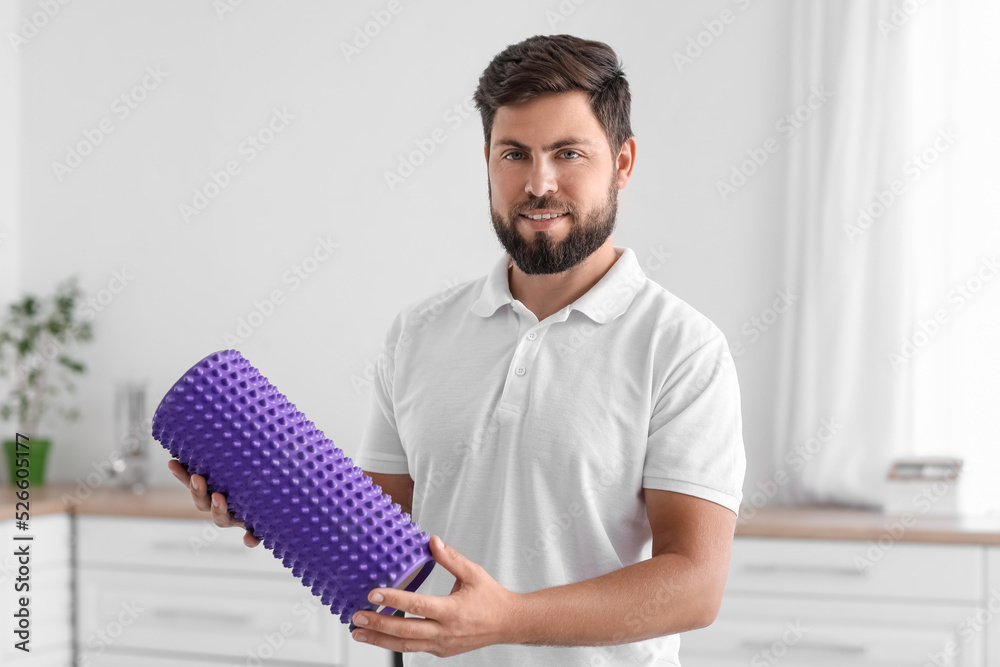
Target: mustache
(542,203)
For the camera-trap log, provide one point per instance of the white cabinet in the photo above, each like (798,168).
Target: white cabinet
(171,592)
(49,597)
(817,602)
(992,605)
(126,660)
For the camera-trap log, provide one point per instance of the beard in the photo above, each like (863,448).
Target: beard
(542,255)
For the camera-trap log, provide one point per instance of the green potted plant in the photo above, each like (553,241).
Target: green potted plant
(35,334)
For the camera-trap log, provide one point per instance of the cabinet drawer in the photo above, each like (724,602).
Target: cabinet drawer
(832,567)
(149,660)
(757,631)
(178,615)
(993,604)
(172,543)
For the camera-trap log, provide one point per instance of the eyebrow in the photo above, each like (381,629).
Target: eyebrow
(551,147)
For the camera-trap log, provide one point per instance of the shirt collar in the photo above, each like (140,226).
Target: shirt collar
(606,300)
(496,289)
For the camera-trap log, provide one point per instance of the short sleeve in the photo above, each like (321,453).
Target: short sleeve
(695,443)
(381,449)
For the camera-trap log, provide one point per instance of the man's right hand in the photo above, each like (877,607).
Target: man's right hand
(216,504)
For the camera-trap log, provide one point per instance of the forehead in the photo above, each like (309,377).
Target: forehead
(548,117)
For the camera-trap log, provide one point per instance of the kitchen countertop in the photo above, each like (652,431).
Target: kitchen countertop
(173,501)
(834,523)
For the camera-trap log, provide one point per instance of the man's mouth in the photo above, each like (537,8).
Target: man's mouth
(543,216)
(542,222)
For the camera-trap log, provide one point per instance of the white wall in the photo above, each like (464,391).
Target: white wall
(323,176)
(10,102)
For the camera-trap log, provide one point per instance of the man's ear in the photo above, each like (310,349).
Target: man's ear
(625,162)
(486,152)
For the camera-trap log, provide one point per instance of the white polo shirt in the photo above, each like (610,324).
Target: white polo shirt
(529,443)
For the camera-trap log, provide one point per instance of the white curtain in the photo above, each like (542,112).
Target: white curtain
(880,229)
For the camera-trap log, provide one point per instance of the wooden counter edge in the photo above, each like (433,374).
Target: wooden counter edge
(173,501)
(838,523)
(914,534)
(160,501)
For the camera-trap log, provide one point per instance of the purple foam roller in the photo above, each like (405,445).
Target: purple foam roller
(299,494)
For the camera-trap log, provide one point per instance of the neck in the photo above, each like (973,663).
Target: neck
(544,294)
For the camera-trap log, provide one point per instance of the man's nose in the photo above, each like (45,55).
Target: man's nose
(542,178)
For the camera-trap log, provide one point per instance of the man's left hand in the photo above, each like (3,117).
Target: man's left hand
(478,612)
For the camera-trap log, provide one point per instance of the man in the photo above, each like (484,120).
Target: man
(570,428)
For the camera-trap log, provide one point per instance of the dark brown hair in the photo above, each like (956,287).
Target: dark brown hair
(558,64)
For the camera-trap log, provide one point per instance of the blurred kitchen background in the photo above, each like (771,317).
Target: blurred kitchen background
(818,178)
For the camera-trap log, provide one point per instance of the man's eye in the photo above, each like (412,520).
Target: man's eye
(570,151)
(512,153)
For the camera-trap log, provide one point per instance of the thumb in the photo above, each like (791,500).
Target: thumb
(461,567)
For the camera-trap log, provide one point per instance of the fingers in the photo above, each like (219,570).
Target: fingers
(249,539)
(214,503)
(199,493)
(197,484)
(220,512)
(179,470)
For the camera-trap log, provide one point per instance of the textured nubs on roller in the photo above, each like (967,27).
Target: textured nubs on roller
(300,495)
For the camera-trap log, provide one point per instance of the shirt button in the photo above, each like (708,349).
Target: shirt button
(519,370)
(532,336)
